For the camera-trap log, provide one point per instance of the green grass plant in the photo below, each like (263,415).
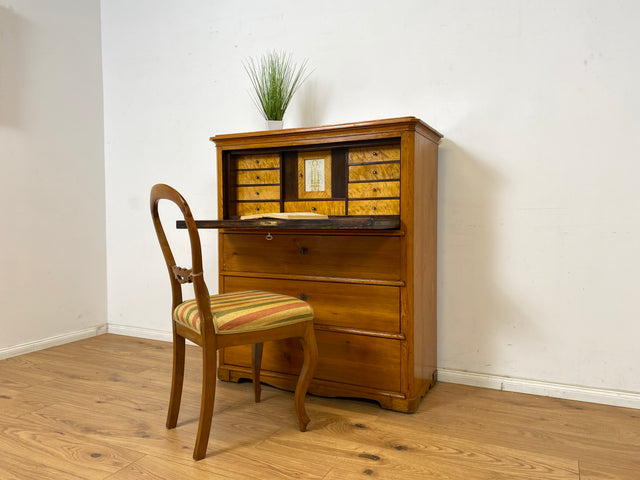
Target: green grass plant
(275,78)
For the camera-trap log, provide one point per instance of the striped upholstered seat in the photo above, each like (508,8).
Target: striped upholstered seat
(245,311)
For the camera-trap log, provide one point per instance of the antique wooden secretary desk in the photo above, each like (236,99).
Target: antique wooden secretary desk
(368,270)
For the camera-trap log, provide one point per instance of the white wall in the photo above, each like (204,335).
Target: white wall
(52,240)
(538,101)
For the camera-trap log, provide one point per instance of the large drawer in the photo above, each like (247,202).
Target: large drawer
(373,308)
(343,358)
(346,256)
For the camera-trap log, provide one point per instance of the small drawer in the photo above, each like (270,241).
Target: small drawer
(258,193)
(270,160)
(258,177)
(380,153)
(384,171)
(250,208)
(374,189)
(332,256)
(374,207)
(320,206)
(348,305)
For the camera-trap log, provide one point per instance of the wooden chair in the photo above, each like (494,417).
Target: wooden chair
(218,321)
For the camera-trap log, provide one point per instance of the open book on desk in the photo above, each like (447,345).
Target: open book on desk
(287,216)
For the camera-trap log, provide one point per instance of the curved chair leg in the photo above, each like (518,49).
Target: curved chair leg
(310,361)
(177,378)
(256,362)
(209,368)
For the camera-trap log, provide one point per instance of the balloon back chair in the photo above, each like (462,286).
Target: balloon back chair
(216,321)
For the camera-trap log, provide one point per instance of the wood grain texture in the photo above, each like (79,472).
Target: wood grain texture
(374,257)
(374,207)
(383,171)
(95,409)
(382,153)
(327,207)
(336,304)
(375,189)
(257,161)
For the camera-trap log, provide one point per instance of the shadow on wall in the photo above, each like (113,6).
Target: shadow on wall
(312,106)
(12,28)
(480,326)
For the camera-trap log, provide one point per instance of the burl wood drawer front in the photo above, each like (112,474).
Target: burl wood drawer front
(381,153)
(249,208)
(258,177)
(374,189)
(374,207)
(384,171)
(365,257)
(323,207)
(258,192)
(362,307)
(343,358)
(269,160)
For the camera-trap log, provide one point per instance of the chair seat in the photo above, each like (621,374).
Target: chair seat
(245,311)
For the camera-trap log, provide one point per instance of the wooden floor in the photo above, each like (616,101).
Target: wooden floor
(95,409)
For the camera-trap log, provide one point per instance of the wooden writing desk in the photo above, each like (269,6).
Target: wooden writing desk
(369,270)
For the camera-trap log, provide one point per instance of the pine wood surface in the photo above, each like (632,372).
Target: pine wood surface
(95,409)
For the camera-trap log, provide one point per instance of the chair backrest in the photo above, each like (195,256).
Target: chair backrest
(179,275)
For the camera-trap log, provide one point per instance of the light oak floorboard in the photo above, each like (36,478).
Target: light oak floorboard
(95,409)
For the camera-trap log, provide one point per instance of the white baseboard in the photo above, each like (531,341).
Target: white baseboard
(52,341)
(547,389)
(148,333)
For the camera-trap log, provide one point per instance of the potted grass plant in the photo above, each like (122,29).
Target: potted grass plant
(275,78)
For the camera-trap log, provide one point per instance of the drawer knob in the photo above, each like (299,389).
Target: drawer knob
(303,297)
(373,208)
(257,193)
(374,153)
(257,161)
(257,208)
(303,250)
(375,189)
(313,208)
(375,172)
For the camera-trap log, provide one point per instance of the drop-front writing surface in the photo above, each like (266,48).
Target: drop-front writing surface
(373,291)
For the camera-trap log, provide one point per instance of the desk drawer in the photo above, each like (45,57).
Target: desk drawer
(258,177)
(259,192)
(374,207)
(343,358)
(250,208)
(269,160)
(383,171)
(374,189)
(363,257)
(361,307)
(319,206)
(380,153)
